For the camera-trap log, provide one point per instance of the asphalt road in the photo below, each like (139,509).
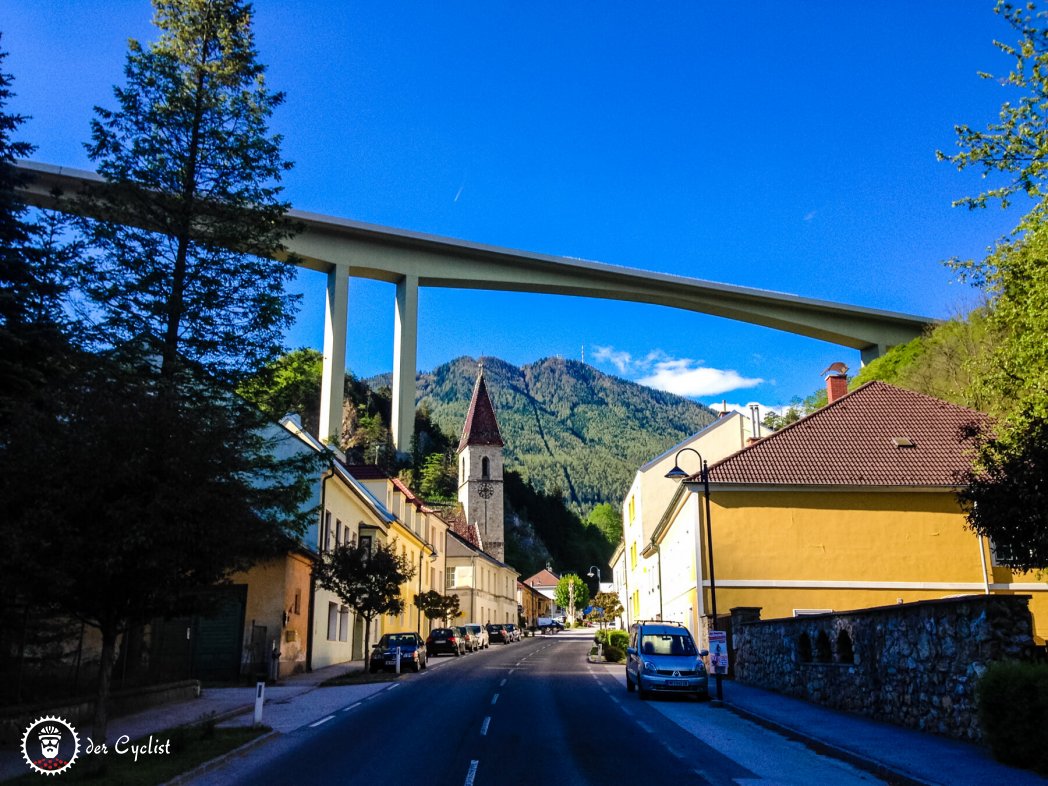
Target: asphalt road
(522,713)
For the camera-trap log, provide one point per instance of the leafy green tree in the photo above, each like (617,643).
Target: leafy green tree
(183,482)
(608,520)
(438,607)
(188,154)
(291,383)
(368,580)
(571,593)
(1016,145)
(610,607)
(798,409)
(1004,495)
(439,477)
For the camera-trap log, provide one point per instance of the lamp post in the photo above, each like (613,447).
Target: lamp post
(678,474)
(597,576)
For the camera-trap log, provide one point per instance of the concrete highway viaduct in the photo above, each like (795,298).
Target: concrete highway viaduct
(342,248)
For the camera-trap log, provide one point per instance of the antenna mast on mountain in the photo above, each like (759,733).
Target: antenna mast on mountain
(583,353)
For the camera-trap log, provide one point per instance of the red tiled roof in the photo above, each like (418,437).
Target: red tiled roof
(456,521)
(481,426)
(544,578)
(853,442)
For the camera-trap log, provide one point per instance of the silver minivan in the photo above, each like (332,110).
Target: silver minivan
(479,631)
(662,657)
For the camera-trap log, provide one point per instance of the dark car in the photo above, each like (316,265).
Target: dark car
(447,640)
(384,654)
(498,633)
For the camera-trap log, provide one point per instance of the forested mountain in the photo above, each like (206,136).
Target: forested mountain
(569,428)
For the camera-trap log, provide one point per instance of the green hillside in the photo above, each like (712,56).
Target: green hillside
(568,428)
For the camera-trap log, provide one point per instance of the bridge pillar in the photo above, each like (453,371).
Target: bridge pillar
(405,354)
(333,383)
(872,352)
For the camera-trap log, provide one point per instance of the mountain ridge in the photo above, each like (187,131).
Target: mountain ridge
(569,428)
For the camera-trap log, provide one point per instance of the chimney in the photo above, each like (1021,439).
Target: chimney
(836,381)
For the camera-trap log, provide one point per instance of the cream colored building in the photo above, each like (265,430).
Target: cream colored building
(643,593)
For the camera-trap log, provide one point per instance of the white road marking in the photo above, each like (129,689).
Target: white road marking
(494,698)
(351,707)
(646,727)
(484,726)
(472,772)
(322,720)
(502,683)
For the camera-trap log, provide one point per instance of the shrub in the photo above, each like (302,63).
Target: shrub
(613,654)
(619,639)
(1013,711)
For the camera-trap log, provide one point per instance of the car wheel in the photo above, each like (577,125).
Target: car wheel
(415,667)
(630,687)
(424,661)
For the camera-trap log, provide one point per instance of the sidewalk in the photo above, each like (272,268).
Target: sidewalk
(229,706)
(885,749)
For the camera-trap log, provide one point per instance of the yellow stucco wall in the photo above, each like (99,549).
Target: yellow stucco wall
(789,550)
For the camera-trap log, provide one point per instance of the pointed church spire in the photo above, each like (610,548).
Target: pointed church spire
(481,426)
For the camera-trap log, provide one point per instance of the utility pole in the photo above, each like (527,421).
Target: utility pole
(571,601)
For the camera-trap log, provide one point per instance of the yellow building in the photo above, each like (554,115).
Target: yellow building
(853,506)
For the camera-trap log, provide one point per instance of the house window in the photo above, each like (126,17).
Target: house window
(325,543)
(365,542)
(338,532)
(332,632)
(296,607)
(485,468)
(1005,555)
(450,579)
(633,510)
(343,624)
(633,556)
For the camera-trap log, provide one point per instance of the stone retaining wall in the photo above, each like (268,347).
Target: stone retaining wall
(915,664)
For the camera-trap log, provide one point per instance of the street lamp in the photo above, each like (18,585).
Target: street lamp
(590,574)
(678,474)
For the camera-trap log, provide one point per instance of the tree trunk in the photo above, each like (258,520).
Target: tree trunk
(105,676)
(367,641)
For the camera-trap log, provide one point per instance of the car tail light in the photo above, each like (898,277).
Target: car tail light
(429,640)
(452,639)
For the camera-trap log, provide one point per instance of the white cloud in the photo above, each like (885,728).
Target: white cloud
(685,377)
(682,376)
(622,361)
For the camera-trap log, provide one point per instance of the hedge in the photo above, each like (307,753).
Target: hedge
(1013,711)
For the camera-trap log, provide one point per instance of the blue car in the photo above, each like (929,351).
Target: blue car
(384,654)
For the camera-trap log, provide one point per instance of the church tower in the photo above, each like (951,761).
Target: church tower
(480,471)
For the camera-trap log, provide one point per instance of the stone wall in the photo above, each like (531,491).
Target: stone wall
(915,664)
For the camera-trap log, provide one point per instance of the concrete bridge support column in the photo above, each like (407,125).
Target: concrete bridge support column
(333,384)
(405,355)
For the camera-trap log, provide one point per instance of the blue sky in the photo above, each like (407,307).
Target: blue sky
(783,145)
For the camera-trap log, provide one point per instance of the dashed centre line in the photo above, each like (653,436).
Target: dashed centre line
(472,772)
(502,683)
(494,699)
(484,726)
(352,706)
(322,720)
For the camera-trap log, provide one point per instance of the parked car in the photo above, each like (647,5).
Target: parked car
(498,633)
(662,656)
(384,654)
(513,630)
(445,640)
(483,642)
(472,642)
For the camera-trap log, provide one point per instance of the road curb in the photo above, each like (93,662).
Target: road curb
(215,763)
(877,768)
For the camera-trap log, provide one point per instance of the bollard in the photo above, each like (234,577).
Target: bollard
(260,697)
(397,651)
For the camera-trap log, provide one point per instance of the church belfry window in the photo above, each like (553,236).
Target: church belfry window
(485,468)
